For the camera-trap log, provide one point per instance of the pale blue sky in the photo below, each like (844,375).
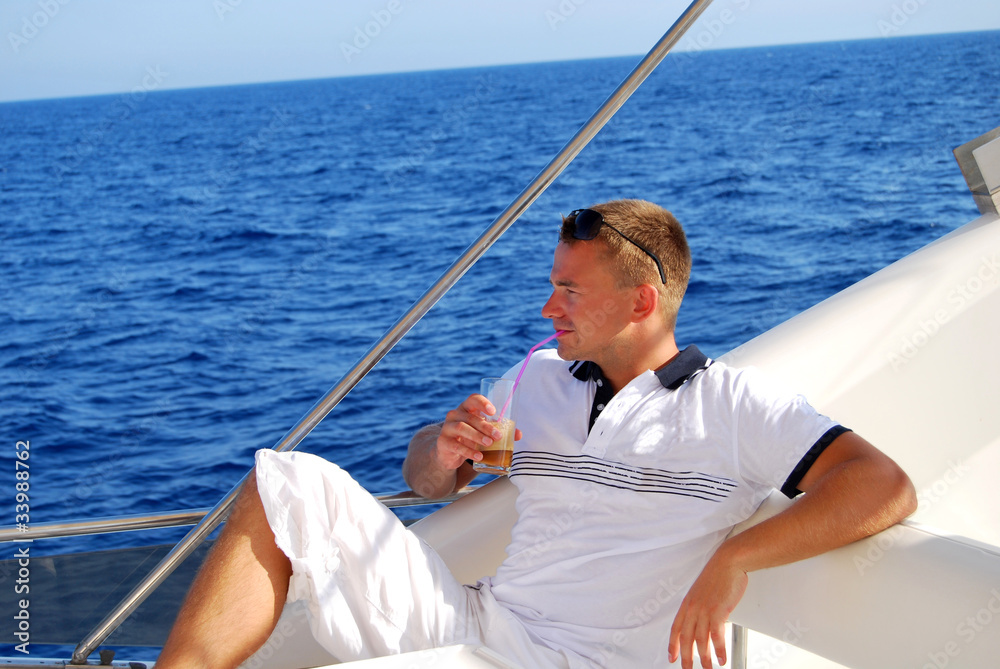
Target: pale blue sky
(57,48)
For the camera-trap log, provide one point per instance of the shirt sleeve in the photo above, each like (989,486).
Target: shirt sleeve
(790,488)
(778,434)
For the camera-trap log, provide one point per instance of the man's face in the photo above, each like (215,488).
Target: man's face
(585,302)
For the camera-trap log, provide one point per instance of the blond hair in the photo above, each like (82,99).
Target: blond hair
(659,231)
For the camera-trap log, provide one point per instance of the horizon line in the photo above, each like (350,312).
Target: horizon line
(494,65)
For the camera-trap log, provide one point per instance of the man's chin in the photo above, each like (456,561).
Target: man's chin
(565,351)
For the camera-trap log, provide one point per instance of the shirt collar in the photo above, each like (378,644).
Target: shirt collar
(685,364)
(672,376)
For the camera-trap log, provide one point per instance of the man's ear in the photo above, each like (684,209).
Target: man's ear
(646,303)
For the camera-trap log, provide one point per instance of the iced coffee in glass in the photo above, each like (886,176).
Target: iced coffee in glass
(497,456)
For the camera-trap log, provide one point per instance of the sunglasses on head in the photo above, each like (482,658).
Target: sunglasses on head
(587,223)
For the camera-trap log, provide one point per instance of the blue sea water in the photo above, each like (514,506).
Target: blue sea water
(186,272)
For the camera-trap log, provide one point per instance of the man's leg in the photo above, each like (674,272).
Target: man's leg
(237,597)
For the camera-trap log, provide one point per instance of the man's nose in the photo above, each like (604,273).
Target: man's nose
(551,308)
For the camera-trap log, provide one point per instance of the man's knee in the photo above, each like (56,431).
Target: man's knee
(248,526)
(250,489)
(248,510)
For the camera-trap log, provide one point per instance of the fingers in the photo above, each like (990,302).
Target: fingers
(702,615)
(719,642)
(683,639)
(701,639)
(692,630)
(470,423)
(675,643)
(465,431)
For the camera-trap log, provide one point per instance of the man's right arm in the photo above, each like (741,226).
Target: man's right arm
(437,461)
(425,474)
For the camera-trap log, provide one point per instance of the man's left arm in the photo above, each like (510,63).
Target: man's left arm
(853,490)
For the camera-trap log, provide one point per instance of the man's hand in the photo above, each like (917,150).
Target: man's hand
(853,490)
(437,460)
(704,611)
(465,431)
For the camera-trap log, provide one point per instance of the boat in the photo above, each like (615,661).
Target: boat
(926,582)
(924,593)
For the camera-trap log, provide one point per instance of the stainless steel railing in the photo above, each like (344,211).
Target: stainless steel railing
(740,646)
(76,528)
(319,411)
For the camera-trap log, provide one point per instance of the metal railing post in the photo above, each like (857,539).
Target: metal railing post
(319,411)
(738,658)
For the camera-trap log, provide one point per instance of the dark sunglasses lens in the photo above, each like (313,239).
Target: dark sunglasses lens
(588,224)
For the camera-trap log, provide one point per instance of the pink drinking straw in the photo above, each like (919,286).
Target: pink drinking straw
(521,371)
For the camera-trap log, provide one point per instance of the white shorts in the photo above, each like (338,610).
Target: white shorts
(371,586)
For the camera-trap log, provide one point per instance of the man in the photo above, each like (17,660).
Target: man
(635,462)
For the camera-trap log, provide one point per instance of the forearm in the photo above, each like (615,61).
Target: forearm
(425,474)
(856,499)
(852,491)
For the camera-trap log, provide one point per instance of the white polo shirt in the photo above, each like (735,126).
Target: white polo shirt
(617,521)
